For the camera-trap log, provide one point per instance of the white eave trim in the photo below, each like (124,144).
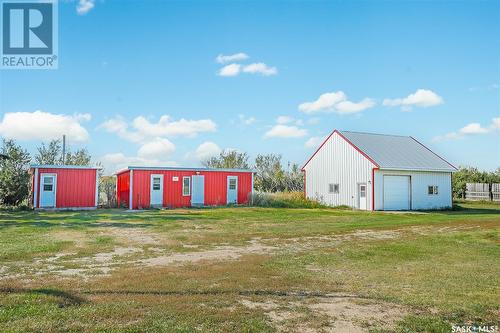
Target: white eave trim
(42,166)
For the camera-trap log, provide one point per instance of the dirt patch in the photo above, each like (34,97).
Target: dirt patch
(343,314)
(355,315)
(133,236)
(218,253)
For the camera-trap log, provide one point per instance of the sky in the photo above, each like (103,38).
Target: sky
(171,83)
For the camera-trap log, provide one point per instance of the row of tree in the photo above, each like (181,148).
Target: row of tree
(14,176)
(270,175)
(466,175)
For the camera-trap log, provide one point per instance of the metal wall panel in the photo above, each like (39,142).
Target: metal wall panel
(420,180)
(215,187)
(338,162)
(75,187)
(123,189)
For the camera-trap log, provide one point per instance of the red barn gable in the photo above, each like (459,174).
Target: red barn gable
(64,186)
(143,187)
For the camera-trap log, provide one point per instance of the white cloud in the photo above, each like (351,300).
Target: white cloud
(314,142)
(45,126)
(143,129)
(246,120)
(495,123)
(490,87)
(260,68)
(325,102)
(471,129)
(222,59)
(285,131)
(284,119)
(346,107)
(157,148)
(337,102)
(230,70)
(118,161)
(84,6)
(421,98)
(206,150)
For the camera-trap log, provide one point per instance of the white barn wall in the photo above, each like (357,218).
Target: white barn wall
(338,162)
(420,199)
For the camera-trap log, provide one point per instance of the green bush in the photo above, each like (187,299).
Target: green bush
(284,200)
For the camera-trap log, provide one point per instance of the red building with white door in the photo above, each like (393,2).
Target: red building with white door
(64,186)
(144,187)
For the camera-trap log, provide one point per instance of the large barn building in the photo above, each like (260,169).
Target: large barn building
(144,187)
(378,172)
(64,186)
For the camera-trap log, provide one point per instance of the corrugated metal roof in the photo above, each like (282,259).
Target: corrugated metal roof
(397,152)
(182,169)
(48,166)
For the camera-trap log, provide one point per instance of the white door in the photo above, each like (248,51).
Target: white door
(362,196)
(198,190)
(396,192)
(156,194)
(232,190)
(48,190)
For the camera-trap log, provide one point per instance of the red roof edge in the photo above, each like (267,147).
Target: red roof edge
(420,143)
(349,142)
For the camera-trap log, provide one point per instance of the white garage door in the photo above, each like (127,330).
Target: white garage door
(396,192)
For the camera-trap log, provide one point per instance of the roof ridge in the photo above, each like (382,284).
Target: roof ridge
(381,134)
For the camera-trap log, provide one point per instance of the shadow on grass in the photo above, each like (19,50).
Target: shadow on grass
(95,219)
(72,299)
(459,210)
(67,299)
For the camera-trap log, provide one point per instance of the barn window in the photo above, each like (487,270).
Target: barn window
(186,186)
(333,188)
(432,190)
(232,184)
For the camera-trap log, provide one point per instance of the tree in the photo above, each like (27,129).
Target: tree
(472,175)
(80,157)
(14,176)
(107,186)
(270,176)
(228,159)
(49,154)
(269,173)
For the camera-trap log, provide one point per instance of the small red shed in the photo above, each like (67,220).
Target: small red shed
(143,187)
(64,186)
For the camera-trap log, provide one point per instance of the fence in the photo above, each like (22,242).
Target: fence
(482,191)
(495,191)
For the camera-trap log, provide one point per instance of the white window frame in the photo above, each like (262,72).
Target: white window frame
(435,189)
(189,186)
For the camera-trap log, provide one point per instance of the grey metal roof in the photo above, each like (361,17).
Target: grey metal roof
(182,169)
(47,166)
(397,152)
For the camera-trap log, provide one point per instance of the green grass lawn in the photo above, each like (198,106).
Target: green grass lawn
(249,270)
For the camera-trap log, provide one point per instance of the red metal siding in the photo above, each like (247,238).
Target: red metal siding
(74,187)
(215,187)
(123,189)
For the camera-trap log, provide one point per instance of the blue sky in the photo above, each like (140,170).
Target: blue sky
(140,82)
